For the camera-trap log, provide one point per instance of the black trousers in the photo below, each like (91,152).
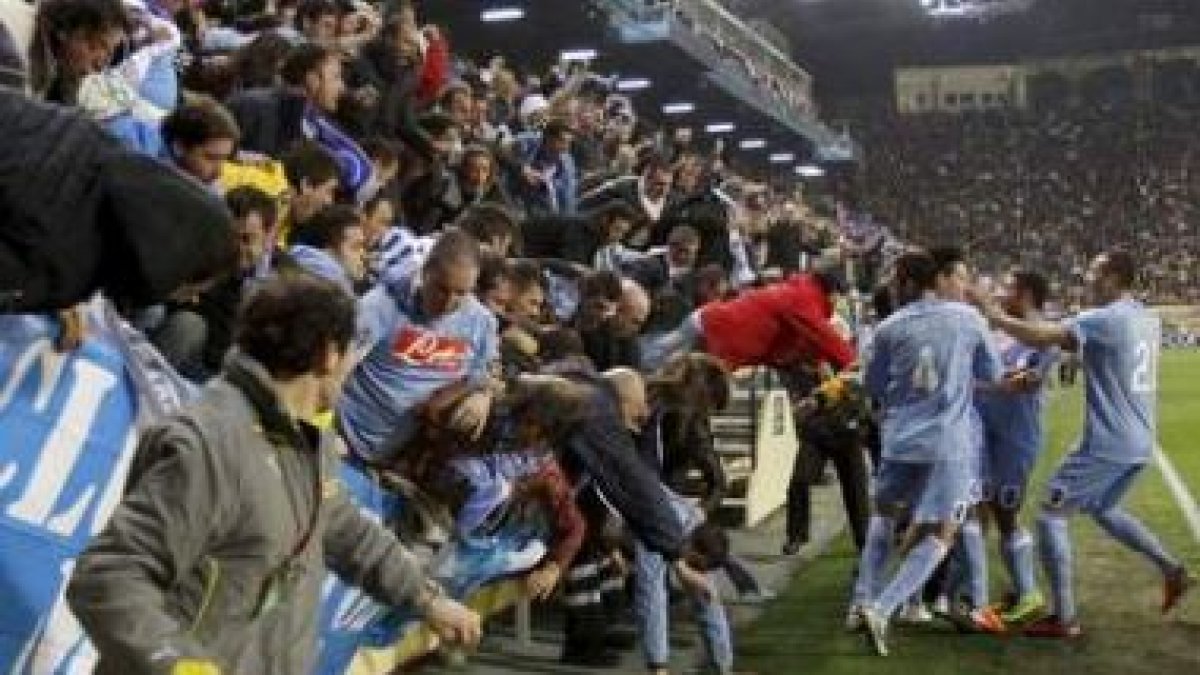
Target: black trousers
(592,587)
(850,463)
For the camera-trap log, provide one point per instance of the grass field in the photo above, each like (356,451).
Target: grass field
(1118,592)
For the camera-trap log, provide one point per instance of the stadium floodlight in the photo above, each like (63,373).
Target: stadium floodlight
(973,9)
(679,108)
(578,55)
(753,144)
(810,171)
(782,157)
(498,14)
(633,84)
(720,127)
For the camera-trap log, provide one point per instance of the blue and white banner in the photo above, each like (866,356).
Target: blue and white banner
(68,431)
(68,428)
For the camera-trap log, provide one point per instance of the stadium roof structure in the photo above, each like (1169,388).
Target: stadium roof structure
(852,46)
(658,63)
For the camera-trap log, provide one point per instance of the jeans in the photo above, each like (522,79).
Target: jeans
(652,612)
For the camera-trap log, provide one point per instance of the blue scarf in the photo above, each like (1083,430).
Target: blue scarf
(354,167)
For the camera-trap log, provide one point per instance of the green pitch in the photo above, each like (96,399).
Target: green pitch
(1118,592)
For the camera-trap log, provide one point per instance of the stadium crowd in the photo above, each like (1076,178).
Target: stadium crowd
(1047,188)
(528,262)
(478,283)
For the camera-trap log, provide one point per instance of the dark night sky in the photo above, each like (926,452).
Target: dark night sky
(851,46)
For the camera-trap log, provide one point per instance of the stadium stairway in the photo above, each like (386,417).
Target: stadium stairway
(756,440)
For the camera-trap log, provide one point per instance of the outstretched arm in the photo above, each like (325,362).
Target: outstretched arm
(1032,333)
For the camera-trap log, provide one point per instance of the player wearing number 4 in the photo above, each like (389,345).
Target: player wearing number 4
(1118,342)
(923,365)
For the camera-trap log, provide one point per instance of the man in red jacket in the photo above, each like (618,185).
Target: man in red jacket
(781,325)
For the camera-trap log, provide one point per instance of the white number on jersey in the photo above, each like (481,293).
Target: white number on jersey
(925,375)
(1145,371)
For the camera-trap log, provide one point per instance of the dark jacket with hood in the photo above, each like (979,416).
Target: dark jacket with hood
(81,214)
(271,119)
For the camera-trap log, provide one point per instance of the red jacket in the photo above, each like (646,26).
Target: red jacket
(779,325)
(435,71)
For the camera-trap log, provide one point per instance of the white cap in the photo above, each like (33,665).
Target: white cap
(532,105)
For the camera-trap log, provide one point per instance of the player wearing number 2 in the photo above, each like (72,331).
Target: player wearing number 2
(1118,342)
(923,365)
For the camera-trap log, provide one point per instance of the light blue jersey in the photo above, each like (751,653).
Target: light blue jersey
(923,365)
(1119,346)
(1012,421)
(408,358)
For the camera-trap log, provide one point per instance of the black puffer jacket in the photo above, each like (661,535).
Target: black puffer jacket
(79,214)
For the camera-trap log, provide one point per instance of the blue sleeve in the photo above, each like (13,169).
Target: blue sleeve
(1047,358)
(377,317)
(1089,326)
(487,349)
(876,374)
(986,365)
(570,197)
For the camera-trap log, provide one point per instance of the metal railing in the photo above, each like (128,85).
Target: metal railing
(760,60)
(744,53)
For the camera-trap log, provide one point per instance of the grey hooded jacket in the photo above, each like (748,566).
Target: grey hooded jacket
(232,518)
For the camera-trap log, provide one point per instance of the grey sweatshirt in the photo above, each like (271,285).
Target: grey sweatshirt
(207,556)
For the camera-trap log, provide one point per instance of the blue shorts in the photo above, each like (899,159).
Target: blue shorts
(1089,484)
(1008,472)
(932,492)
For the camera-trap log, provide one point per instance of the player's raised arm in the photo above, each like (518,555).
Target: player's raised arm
(1035,333)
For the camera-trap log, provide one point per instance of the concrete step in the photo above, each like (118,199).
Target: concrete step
(726,424)
(735,448)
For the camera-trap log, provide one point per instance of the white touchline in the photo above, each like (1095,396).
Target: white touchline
(1179,490)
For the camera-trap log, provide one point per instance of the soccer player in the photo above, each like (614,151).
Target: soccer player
(1118,342)
(1011,413)
(924,363)
(968,562)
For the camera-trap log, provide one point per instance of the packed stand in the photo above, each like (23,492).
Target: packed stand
(1046,189)
(485,283)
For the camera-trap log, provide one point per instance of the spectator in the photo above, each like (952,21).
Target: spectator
(275,120)
(610,339)
(423,335)
(186,510)
(332,245)
(674,267)
(545,179)
(312,174)
(72,39)
(254,215)
(199,137)
(648,193)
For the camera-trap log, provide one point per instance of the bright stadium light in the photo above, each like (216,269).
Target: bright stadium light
(633,84)
(680,108)
(753,144)
(810,171)
(720,127)
(782,157)
(502,14)
(576,55)
(973,9)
